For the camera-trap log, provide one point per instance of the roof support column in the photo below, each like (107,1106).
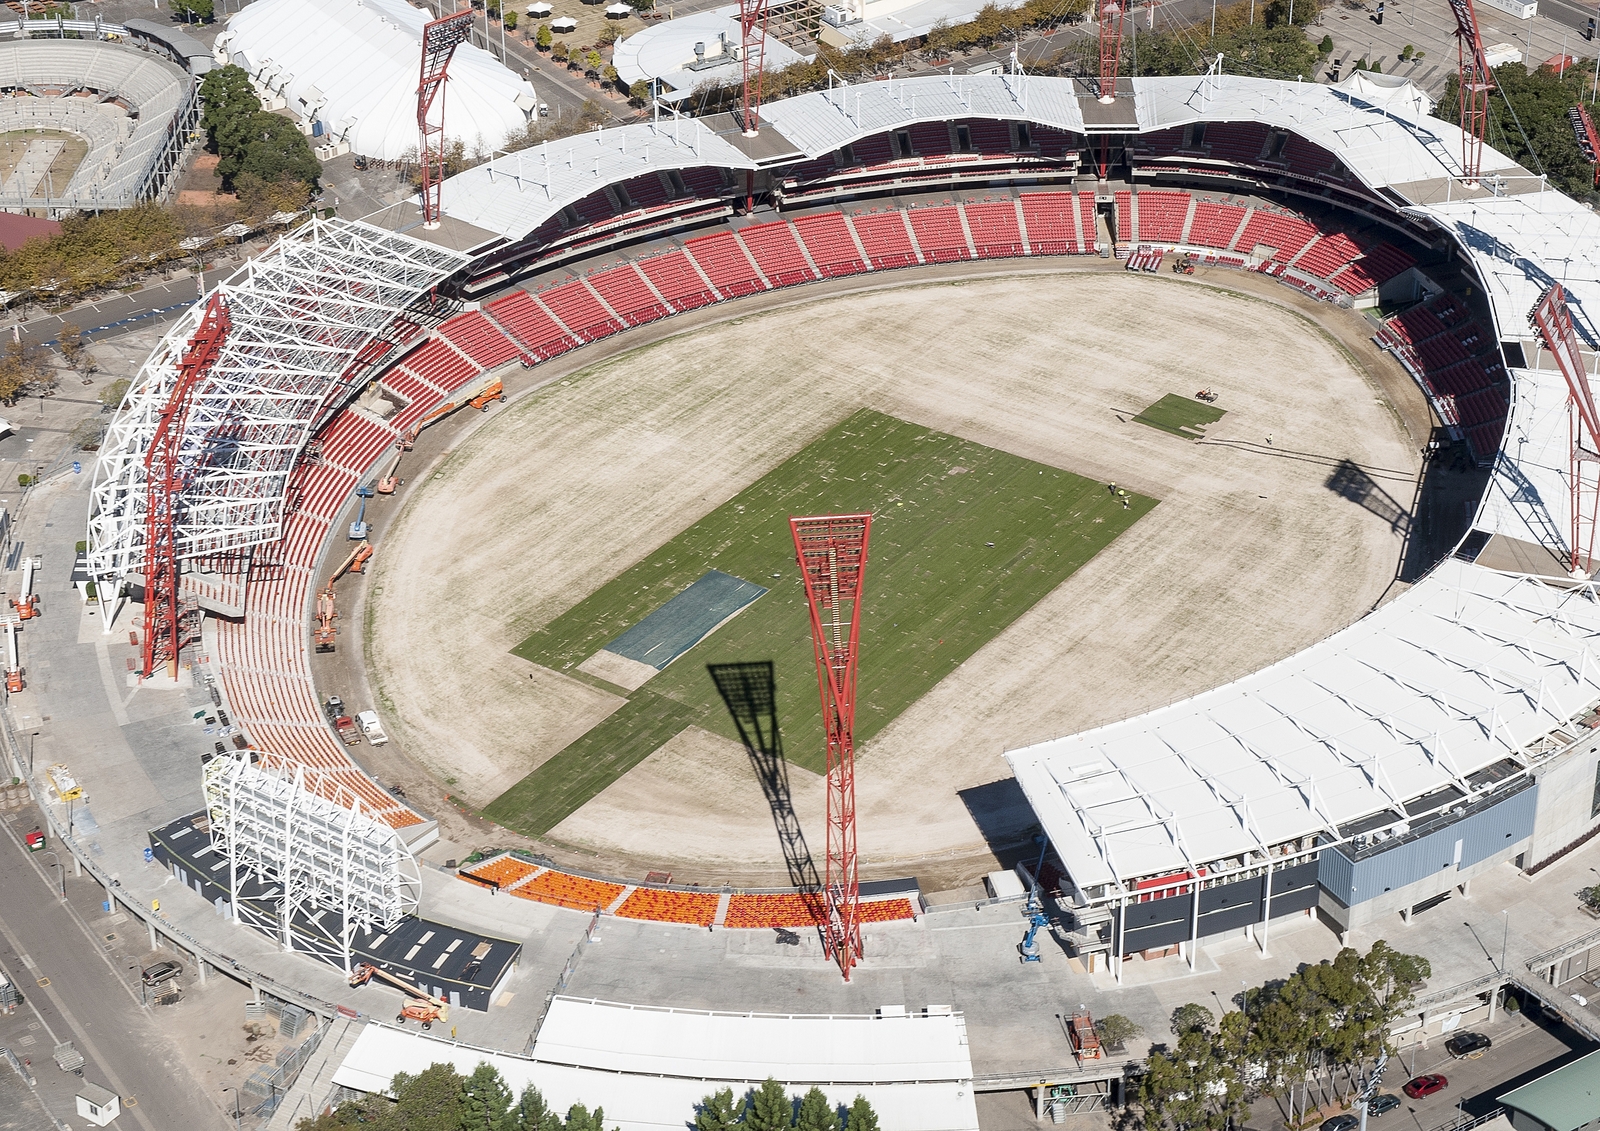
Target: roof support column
(1266,908)
(1122,937)
(1194,918)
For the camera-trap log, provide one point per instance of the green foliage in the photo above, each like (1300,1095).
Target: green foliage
(608,35)
(248,140)
(1406,52)
(1590,897)
(1197,1088)
(862,1117)
(608,74)
(770,1108)
(559,52)
(432,1100)
(1115,1029)
(192,10)
(1541,99)
(510,19)
(229,102)
(92,251)
(276,148)
(639,92)
(717,1112)
(543,37)
(1325,48)
(642,5)
(816,1113)
(579,1118)
(592,60)
(1191,1018)
(486,1098)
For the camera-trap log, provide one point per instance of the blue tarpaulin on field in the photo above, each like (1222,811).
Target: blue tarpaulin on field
(685,620)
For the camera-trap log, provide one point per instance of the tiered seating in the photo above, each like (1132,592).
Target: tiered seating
(989,136)
(594,209)
(752,912)
(1086,216)
(1214,224)
(679,283)
(1048,216)
(440,365)
(407,386)
(777,253)
(479,339)
(1240,142)
(827,238)
(501,871)
(1288,234)
(887,910)
(883,235)
(1162,216)
(1455,359)
(577,892)
(1374,269)
(703,182)
(1310,160)
(647,191)
(722,258)
(930,139)
(1326,255)
(1127,230)
(582,313)
(697,908)
(939,233)
(629,295)
(522,317)
(994,229)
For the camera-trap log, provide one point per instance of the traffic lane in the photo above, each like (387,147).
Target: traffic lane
(1522,1050)
(111,316)
(1569,14)
(88,1000)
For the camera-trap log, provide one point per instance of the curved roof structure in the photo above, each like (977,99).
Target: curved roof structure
(353,65)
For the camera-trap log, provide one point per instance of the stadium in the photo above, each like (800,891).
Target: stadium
(679,368)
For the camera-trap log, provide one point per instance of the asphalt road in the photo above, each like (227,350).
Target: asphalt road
(111,316)
(91,999)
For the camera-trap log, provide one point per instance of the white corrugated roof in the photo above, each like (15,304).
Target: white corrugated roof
(636,1101)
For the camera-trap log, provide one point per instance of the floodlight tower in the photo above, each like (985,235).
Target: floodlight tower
(832,552)
(752,56)
(166,476)
(440,38)
(1111,13)
(1476,82)
(1553,320)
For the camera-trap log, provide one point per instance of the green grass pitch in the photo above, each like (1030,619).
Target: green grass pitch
(1182,416)
(964,540)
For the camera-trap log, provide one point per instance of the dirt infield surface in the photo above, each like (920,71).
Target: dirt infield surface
(1275,530)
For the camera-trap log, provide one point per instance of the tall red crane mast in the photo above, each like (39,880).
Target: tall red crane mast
(752,56)
(440,38)
(1553,320)
(166,477)
(1476,84)
(1111,12)
(832,552)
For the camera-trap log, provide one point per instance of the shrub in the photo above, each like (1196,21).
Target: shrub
(542,38)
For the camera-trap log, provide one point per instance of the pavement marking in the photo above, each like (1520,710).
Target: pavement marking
(113,695)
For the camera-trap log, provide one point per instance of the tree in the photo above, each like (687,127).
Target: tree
(486,1099)
(1190,1017)
(770,1108)
(592,60)
(559,52)
(1115,1029)
(192,10)
(277,149)
(1541,99)
(111,396)
(543,37)
(717,1112)
(579,1119)
(639,92)
(20,367)
(429,1101)
(609,74)
(862,1117)
(69,340)
(816,1113)
(230,100)
(510,19)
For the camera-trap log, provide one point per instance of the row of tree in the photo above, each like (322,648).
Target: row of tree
(246,138)
(1316,1032)
(1528,121)
(440,1099)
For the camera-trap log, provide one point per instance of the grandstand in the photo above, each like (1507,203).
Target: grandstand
(590,246)
(136,111)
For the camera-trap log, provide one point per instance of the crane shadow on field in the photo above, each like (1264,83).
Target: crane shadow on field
(750,692)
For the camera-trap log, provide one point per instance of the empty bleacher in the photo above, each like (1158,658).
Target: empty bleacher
(1459,364)
(1049,218)
(1327,254)
(679,283)
(939,233)
(626,291)
(721,256)
(1376,267)
(662,906)
(1161,216)
(1215,224)
(1284,233)
(480,339)
(440,365)
(883,236)
(530,324)
(995,233)
(826,236)
(577,892)
(579,310)
(777,253)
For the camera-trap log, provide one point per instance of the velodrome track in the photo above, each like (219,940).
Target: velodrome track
(1399,163)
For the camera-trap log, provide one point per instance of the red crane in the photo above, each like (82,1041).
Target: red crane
(440,38)
(165,480)
(752,55)
(1588,140)
(1111,12)
(1476,84)
(832,552)
(1553,320)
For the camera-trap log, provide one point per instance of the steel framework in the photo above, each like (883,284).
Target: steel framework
(832,552)
(314,843)
(166,475)
(752,58)
(300,317)
(440,38)
(1476,84)
(1553,320)
(1588,140)
(1111,12)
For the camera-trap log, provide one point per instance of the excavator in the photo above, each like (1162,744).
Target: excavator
(424,1007)
(326,613)
(493,389)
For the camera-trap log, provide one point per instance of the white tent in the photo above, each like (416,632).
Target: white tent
(353,66)
(1389,91)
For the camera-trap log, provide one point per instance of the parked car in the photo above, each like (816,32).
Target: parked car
(162,972)
(1341,1123)
(1382,1102)
(1464,1045)
(1426,1085)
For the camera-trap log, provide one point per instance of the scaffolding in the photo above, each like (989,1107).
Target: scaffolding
(300,317)
(330,867)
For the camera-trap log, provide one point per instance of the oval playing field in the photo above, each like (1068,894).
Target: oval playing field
(562,491)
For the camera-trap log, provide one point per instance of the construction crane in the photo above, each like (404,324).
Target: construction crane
(426,1008)
(13,663)
(1583,132)
(479,396)
(360,528)
(440,38)
(389,480)
(1476,84)
(326,612)
(27,605)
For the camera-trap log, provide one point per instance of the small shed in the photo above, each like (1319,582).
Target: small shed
(98,1105)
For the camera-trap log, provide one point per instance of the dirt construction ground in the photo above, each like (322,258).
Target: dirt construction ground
(1250,555)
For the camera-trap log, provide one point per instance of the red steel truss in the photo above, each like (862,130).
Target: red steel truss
(1553,320)
(165,478)
(440,38)
(832,552)
(1588,140)
(753,55)
(1476,84)
(1110,46)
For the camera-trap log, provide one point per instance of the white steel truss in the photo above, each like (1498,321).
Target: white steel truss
(300,315)
(314,842)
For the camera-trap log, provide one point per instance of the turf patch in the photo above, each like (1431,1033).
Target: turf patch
(964,540)
(1182,416)
(685,620)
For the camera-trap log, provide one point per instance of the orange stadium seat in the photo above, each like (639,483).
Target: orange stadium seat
(658,905)
(578,892)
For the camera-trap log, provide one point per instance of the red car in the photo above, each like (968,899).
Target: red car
(1425,1086)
